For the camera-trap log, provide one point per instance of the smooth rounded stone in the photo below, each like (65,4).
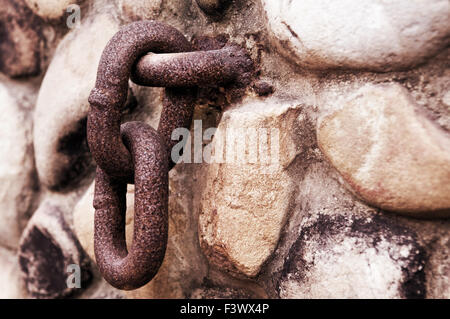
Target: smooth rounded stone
(139,9)
(50,9)
(47,248)
(358,34)
(390,155)
(12,287)
(21,40)
(61,149)
(17,171)
(245,203)
(352,256)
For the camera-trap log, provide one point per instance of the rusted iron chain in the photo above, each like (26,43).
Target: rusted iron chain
(189,69)
(134,152)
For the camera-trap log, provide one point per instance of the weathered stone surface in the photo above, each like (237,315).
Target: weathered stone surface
(370,34)
(17,172)
(335,247)
(245,203)
(438,269)
(10,282)
(293,227)
(47,248)
(391,156)
(353,257)
(60,119)
(210,291)
(21,40)
(213,7)
(139,9)
(100,289)
(50,9)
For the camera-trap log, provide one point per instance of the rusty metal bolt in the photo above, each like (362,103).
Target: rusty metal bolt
(134,152)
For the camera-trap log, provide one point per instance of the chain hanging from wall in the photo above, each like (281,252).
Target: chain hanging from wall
(136,153)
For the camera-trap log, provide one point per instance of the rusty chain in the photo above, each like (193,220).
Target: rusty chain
(136,153)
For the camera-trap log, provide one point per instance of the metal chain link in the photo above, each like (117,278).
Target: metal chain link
(136,153)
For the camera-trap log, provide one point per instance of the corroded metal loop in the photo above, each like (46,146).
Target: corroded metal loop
(111,88)
(123,269)
(124,57)
(188,69)
(136,153)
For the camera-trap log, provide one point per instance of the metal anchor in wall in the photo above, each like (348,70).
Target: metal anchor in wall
(136,153)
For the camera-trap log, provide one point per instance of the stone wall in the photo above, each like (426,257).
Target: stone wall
(356,206)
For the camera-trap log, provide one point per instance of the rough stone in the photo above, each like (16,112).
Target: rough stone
(10,282)
(47,248)
(21,40)
(292,229)
(17,171)
(339,256)
(438,269)
(391,156)
(245,202)
(210,291)
(370,34)
(139,9)
(60,118)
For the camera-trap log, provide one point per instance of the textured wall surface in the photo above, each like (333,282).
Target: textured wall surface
(356,205)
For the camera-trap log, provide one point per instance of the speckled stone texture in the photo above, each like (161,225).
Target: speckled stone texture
(22,40)
(356,207)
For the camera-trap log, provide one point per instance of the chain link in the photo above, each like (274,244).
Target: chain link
(136,153)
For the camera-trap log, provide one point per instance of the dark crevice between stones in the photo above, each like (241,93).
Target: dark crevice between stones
(75,147)
(214,9)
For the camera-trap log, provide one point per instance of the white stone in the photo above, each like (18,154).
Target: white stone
(10,280)
(389,153)
(63,98)
(358,34)
(16,168)
(51,9)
